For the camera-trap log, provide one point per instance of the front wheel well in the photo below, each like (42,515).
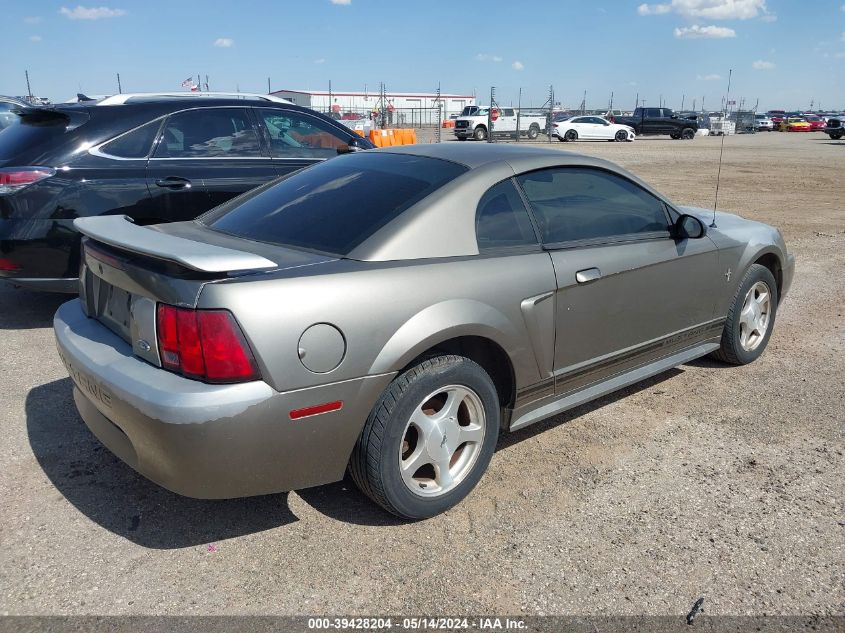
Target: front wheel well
(488,354)
(771,261)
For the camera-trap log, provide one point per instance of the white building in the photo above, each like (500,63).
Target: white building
(405,105)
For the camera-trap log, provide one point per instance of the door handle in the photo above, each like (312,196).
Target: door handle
(587,275)
(174,182)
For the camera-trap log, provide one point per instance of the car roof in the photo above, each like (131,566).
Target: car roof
(520,158)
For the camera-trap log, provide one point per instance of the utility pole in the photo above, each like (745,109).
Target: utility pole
(693,105)
(439,112)
(518,112)
(268,86)
(206,83)
(610,106)
(683,97)
(119,89)
(490,114)
(330,97)
(199,82)
(584,103)
(28,89)
(637,101)
(551,110)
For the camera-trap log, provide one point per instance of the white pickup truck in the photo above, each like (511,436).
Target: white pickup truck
(474,121)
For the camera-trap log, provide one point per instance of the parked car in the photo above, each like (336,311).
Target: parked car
(392,311)
(795,124)
(7,106)
(505,122)
(154,158)
(652,121)
(835,127)
(592,128)
(817,124)
(777,117)
(764,123)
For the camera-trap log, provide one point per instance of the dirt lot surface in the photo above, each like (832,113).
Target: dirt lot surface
(705,481)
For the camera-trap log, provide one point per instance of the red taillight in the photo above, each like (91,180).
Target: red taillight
(14,178)
(8,265)
(204,344)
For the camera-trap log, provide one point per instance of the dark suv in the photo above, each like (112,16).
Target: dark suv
(153,158)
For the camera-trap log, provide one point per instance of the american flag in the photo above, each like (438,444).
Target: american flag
(188,83)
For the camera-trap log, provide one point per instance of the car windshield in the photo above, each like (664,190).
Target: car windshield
(334,206)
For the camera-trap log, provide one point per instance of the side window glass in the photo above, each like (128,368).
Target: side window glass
(134,144)
(209,133)
(297,135)
(575,203)
(502,219)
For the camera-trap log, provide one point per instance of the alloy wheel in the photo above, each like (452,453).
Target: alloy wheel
(442,441)
(755,316)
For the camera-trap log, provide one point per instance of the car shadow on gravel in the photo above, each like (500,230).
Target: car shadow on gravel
(23,309)
(506,440)
(110,493)
(343,501)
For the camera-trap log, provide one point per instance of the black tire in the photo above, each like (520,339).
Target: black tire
(731,351)
(571,135)
(675,135)
(533,132)
(688,134)
(374,464)
(621,136)
(836,135)
(480,133)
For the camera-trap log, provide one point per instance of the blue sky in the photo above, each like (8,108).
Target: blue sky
(784,52)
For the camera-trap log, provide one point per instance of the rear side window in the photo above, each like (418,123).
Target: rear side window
(577,203)
(334,206)
(502,219)
(296,135)
(209,133)
(134,144)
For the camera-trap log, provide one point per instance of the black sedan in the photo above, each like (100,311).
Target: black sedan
(154,158)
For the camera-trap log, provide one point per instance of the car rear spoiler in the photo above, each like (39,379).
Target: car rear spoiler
(121,232)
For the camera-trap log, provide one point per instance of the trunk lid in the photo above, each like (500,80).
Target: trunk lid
(128,269)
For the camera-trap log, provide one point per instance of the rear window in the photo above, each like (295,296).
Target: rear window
(334,206)
(33,130)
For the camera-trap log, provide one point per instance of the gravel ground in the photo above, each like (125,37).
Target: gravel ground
(705,481)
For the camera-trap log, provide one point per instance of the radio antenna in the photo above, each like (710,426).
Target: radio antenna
(721,149)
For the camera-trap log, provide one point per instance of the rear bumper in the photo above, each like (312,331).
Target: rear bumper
(40,253)
(46,284)
(201,440)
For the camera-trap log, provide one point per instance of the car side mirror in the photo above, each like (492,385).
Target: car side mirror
(354,145)
(689,227)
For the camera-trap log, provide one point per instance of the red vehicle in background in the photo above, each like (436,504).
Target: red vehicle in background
(816,122)
(777,117)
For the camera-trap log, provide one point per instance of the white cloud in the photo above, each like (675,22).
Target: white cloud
(34,38)
(342,2)
(769,17)
(763,65)
(710,9)
(320,61)
(839,55)
(92,13)
(224,42)
(704,32)
(654,9)
(32,19)
(518,65)
(486,57)
(710,77)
